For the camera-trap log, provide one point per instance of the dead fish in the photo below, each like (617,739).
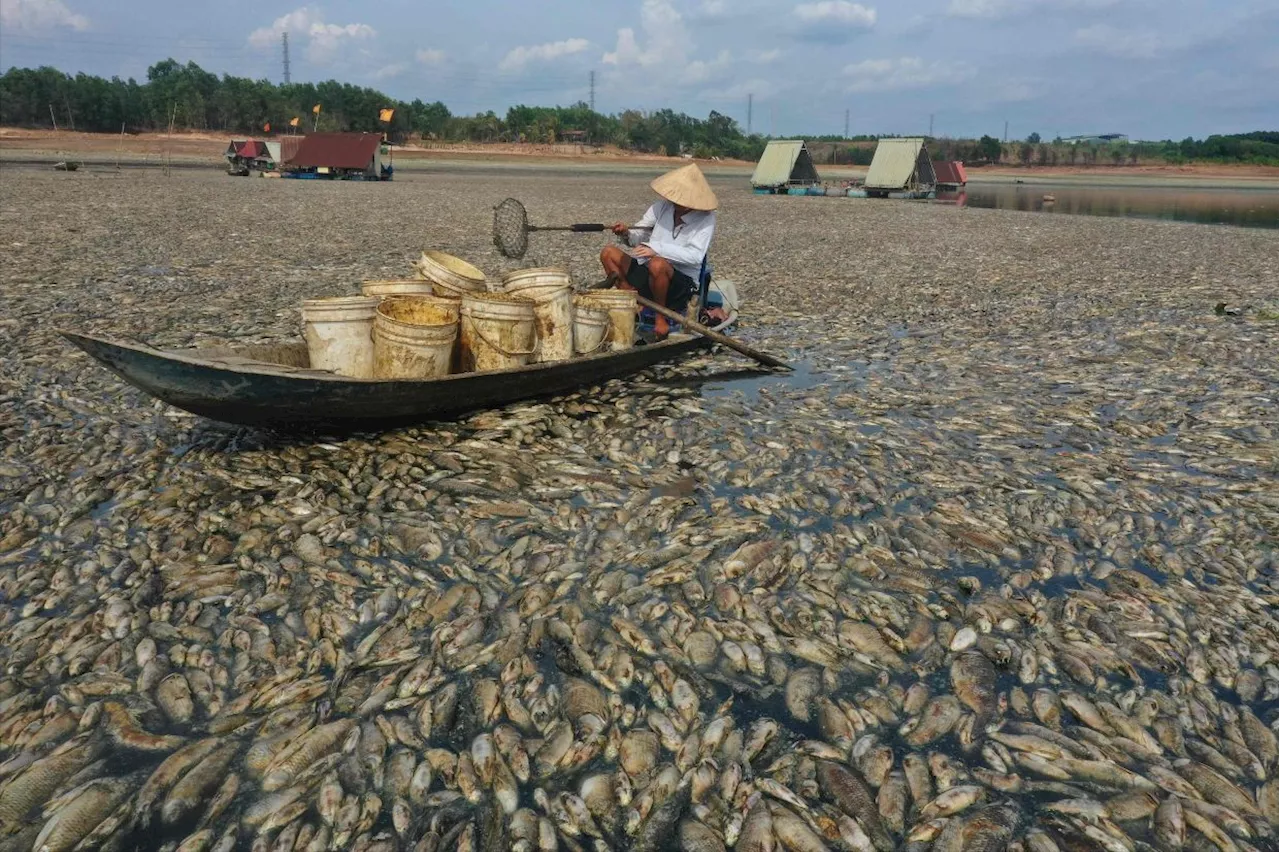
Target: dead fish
(697,837)
(657,832)
(973,678)
(76,819)
(851,794)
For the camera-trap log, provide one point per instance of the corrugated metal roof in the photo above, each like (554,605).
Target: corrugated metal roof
(289,146)
(784,161)
(337,150)
(895,163)
(950,172)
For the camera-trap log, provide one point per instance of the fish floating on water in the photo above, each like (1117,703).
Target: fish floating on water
(995,579)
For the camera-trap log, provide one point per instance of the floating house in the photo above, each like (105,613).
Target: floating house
(340,156)
(950,175)
(283,149)
(784,164)
(900,169)
(260,155)
(245,154)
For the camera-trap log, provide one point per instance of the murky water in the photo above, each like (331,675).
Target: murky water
(1251,208)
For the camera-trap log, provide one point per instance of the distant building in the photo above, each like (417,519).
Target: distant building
(900,166)
(784,163)
(950,174)
(341,155)
(283,149)
(1099,139)
(245,154)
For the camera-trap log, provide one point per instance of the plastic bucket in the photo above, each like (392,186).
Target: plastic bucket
(496,331)
(397,287)
(339,334)
(451,277)
(551,292)
(590,325)
(414,337)
(621,305)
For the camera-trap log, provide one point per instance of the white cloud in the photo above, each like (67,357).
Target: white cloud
(323,39)
(386,72)
(17,16)
(699,71)
(664,54)
(764,57)
(996,9)
(668,41)
(979,8)
(836,12)
(1113,42)
(760,88)
(906,72)
(521,56)
(713,11)
(430,56)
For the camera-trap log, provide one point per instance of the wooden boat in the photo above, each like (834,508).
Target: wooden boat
(273,385)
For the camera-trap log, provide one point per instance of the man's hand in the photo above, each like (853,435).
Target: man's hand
(644,251)
(620,229)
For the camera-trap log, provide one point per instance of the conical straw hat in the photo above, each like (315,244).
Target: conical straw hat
(687,187)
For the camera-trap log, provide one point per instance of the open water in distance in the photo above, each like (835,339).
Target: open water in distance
(1250,208)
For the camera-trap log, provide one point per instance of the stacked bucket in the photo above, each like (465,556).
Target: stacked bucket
(447,320)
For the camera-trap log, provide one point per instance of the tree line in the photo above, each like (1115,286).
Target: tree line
(1258,147)
(194,99)
(190,98)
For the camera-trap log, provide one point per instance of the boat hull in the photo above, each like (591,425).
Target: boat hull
(232,387)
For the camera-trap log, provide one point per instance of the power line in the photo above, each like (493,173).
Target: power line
(284,42)
(749,96)
(846,124)
(592,102)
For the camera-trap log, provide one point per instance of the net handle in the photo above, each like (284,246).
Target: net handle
(581,227)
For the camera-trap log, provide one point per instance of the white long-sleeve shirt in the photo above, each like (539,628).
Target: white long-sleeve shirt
(684,245)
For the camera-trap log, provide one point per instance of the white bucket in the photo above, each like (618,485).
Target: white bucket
(551,291)
(451,276)
(339,334)
(621,305)
(496,331)
(590,325)
(397,287)
(414,337)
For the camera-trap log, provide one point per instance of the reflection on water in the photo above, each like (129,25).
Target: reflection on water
(1252,208)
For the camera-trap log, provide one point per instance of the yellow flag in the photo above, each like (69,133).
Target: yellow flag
(316,109)
(266,128)
(293,122)
(385,115)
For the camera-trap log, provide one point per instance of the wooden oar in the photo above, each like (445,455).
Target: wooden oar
(762,357)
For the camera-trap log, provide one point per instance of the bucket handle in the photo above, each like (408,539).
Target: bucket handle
(494,346)
(595,348)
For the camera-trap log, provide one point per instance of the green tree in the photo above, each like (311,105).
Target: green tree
(198,99)
(989,149)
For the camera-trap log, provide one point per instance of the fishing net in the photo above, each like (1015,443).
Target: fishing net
(511,228)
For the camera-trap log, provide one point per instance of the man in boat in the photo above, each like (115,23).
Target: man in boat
(667,246)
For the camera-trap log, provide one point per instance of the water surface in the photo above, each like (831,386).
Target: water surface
(1251,208)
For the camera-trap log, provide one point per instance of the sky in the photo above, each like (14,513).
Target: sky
(1151,69)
